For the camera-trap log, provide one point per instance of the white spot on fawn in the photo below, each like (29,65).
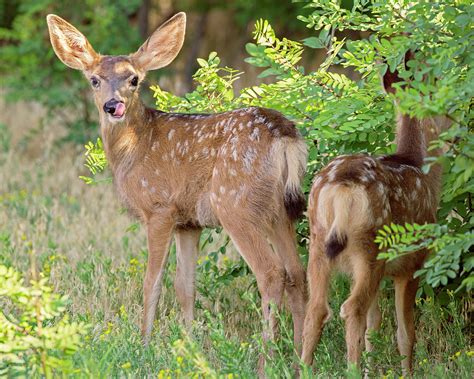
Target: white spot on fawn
(380,188)
(249,158)
(171,134)
(318,180)
(418,183)
(255,135)
(144,183)
(239,195)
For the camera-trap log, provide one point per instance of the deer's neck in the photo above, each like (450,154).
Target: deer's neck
(413,139)
(411,143)
(123,140)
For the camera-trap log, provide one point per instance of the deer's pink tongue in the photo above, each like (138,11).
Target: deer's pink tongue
(119,110)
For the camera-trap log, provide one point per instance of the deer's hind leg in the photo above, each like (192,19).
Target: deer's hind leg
(187,241)
(317,309)
(374,318)
(367,274)
(284,244)
(405,293)
(252,244)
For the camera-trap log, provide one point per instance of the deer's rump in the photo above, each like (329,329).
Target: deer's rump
(356,195)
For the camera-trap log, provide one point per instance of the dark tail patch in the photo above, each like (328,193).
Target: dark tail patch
(295,204)
(335,245)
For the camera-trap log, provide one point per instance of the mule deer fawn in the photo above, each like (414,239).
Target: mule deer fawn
(181,172)
(351,198)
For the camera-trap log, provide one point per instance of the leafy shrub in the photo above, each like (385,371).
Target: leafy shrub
(36,336)
(452,251)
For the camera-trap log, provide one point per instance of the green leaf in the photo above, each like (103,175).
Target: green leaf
(313,42)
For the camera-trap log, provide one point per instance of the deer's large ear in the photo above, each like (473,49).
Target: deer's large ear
(163,45)
(70,45)
(391,78)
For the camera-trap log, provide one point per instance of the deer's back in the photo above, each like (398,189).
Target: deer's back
(398,192)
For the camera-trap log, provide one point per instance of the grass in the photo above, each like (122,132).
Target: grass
(92,251)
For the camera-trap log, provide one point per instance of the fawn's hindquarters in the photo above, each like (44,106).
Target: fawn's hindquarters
(339,217)
(263,231)
(335,211)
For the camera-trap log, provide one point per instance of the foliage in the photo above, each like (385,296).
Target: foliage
(216,269)
(438,81)
(451,252)
(36,336)
(96,161)
(213,93)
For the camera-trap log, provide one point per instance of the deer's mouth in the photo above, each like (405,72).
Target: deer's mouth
(119,111)
(115,109)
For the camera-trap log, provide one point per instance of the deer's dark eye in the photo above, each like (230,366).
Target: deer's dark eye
(134,81)
(95,82)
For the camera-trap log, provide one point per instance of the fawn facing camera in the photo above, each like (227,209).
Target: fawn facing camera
(181,172)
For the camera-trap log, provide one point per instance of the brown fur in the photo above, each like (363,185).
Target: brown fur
(350,200)
(180,172)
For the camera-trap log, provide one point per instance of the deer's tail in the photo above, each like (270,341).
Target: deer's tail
(342,210)
(292,153)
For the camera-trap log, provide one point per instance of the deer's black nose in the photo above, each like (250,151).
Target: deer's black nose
(110,106)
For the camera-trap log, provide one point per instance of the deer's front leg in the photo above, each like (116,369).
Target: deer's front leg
(160,229)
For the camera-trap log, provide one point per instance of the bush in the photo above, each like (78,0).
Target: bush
(36,336)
